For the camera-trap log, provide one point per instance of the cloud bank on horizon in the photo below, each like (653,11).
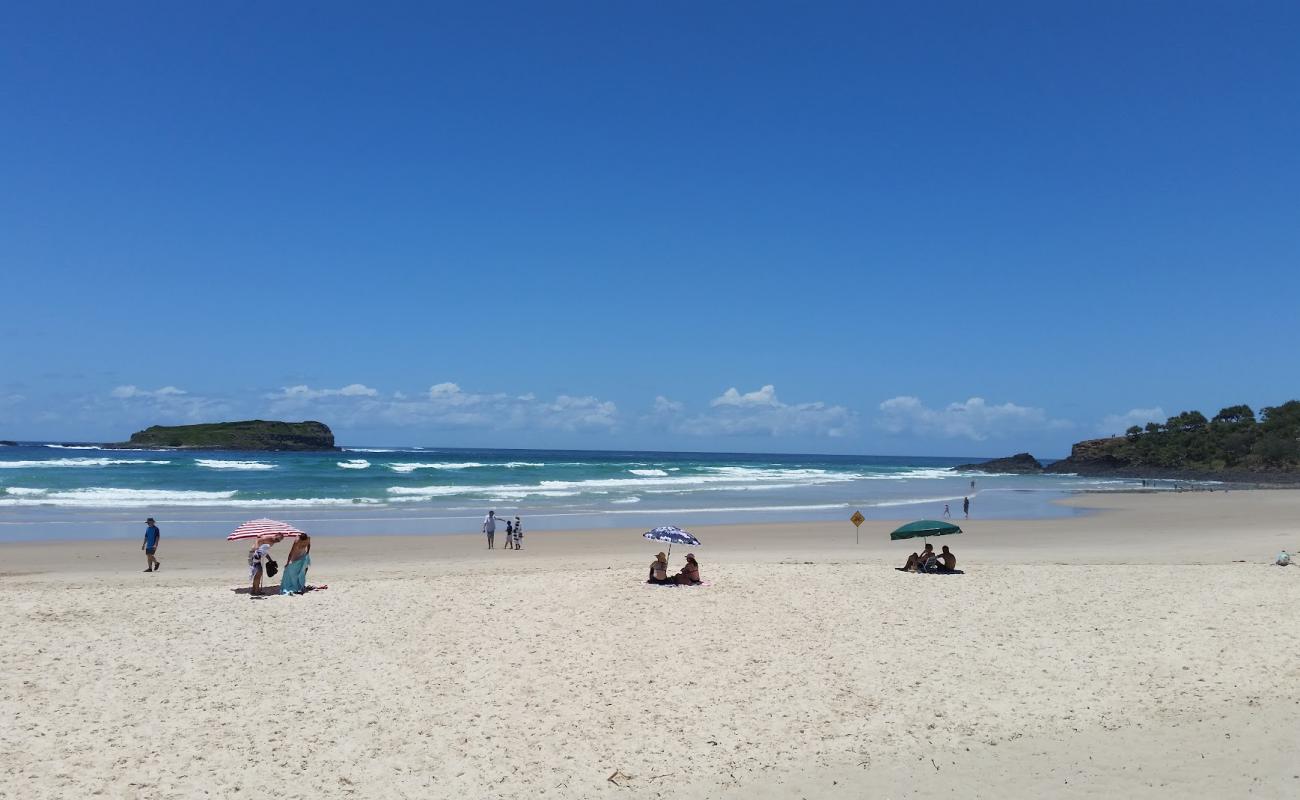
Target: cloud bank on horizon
(733,415)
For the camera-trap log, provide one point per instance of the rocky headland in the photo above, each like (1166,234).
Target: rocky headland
(1019,464)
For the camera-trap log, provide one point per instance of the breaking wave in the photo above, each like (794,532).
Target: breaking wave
(76,462)
(220,463)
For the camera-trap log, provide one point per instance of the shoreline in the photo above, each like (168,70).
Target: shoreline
(984,540)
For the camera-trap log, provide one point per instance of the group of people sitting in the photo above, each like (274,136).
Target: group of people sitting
(293,578)
(928,561)
(689,576)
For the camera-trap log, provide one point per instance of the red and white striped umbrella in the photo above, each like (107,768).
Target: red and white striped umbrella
(263,527)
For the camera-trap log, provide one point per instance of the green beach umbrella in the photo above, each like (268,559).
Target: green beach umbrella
(924,528)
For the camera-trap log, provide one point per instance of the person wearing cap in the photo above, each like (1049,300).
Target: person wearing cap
(659,570)
(690,574)
(150,546)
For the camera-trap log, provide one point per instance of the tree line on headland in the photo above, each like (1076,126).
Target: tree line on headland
(1234,443)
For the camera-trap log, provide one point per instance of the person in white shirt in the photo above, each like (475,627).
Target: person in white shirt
(490,527)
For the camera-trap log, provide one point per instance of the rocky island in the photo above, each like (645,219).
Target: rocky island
(252,434)
(1231,446)
(1019,464)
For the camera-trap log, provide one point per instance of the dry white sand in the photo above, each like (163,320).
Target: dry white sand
(1118,654)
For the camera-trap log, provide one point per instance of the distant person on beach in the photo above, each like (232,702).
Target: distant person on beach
(490,527)
(690,574)
(947,561)
(294,579)
(519,533)
(150,546)
(659,570)
(972,484)
(510,535)
(946,513)
(261,552)
(965,506)
(917,560)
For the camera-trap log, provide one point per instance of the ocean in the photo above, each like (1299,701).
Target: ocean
(59,491)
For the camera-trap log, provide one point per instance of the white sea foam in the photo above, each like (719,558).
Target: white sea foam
(914,501)
(649,472)
(732,478)
(19,491)
(219,463)
(75,462)
(106,497)
(734,509)
(356,463)
(518,464)
(627,500)
(110,497)
(413,466)
(75,446)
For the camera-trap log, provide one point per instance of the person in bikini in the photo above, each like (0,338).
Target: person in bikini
(690,574)
(659,570)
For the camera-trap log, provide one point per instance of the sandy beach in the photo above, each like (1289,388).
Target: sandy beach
(1143,648)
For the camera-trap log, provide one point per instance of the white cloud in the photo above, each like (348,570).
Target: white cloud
(447,405)
(1118,423)
(974,419)
(302,393)
(765,396)
(665,406)
(759,412)
(165,404)
(128,392)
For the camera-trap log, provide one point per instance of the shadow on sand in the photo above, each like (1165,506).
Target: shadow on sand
(267,590)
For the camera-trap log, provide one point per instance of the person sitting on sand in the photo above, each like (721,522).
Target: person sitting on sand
(917,560)
(659,570)
(690,574)
(947,561)
(261,550)
(294,579)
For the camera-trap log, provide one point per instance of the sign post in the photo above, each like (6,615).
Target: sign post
(857,520)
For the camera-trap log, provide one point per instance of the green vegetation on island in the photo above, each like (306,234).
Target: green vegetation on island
(252,434)
(1232,445)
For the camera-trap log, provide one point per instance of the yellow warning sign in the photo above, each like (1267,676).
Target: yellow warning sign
(857,519)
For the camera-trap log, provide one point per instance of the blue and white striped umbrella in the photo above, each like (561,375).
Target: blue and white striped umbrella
(672,535)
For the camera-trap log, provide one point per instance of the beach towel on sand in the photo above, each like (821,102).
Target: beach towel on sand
(677,585)
(922,572)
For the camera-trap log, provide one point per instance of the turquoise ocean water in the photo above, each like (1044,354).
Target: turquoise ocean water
(52,491)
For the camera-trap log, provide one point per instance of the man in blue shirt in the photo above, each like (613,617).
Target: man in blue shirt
(150,546)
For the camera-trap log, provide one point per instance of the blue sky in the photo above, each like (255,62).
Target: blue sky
(924,228)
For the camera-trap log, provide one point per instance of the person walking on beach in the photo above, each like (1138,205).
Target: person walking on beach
(510,535)
(946,513)
(965,506)
(490,527)
(519,533)
(150,546)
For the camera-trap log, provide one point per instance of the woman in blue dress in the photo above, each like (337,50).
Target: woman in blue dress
(293,580)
